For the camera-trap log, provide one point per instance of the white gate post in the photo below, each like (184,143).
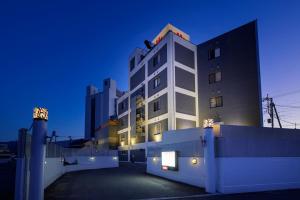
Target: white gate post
(39,133)
(209,160)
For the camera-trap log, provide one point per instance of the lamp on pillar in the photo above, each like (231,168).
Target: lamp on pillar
(208,123)
(38,141)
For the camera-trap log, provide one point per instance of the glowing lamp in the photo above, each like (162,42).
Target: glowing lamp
(40,113)
(194,161)
(208,123)
(154,159)
(92,158)
(115,158)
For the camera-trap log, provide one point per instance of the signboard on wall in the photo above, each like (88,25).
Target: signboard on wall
(166,29)
(169,160)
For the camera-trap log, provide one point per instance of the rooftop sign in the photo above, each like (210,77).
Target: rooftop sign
(40,113)
(166,29)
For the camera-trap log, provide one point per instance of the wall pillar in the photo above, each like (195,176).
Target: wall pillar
(39,133)
(209,160)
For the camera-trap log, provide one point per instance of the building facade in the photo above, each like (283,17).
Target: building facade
(100,111)
(175,84)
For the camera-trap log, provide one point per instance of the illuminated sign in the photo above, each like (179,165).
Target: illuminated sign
(208,123)
(169,160)
(40,113)
(166,29)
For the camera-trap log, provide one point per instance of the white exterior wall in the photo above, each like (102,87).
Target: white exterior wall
(192,174)
(54,168)
(251,174)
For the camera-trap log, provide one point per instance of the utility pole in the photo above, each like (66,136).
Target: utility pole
(271,109)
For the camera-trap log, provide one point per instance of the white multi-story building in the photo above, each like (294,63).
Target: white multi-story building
(163,92)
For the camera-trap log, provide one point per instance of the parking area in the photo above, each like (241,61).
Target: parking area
(130,181)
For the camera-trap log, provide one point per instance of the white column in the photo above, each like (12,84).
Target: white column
(209,161)
(39,133)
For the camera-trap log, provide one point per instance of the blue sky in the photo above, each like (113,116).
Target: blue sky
(51,50)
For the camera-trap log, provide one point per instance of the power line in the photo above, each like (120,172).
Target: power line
(286,106)
(287,93)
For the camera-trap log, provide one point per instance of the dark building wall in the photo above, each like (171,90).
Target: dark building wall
(184,55)
(184,79)
(163,83)
(151,131)
(163,59)
(163,101)
(185,104)
(125,106)
(137,78)
(183,124)
(240,82)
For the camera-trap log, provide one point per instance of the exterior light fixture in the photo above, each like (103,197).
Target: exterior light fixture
(45,162)
(208,123)
(154,159)
(92,158)
(115,158)
(194,161)
(40,113)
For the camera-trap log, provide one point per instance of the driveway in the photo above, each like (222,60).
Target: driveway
(129,181)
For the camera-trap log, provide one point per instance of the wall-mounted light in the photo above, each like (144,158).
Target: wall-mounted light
(208,123)
(45,162)
(194,161)
(154,159)
(115,158)
(92,158)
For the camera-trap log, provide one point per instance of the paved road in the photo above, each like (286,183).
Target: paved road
(131,182)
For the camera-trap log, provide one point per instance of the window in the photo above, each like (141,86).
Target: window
(122,105)
(214,77)
(156,82)
(156,60)
(217,52)
(132,63)
(214,53)
(157,129)
(156,106)
(218,76)
(122,137)
(216,102)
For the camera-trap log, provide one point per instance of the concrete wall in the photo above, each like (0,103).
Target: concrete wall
(184,55)
(185,104)
(85,162)
(184,79)
(187,173)
(163,83)
(256,159)
(188,145)
(251,174)
(54,168)
(163,59)
(163,103)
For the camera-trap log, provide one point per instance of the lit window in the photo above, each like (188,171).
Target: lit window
(218,76)
(156,82)
(214,77)
(216,102)
(157,129)
(217,52)
(156,106)
(214,53)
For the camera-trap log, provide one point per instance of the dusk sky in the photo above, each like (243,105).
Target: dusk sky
(50,51)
